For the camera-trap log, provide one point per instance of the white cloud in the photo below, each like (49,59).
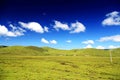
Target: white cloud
(115,38)
(88,42)
(113,47)
(13,27)
(33,26)
(17,30)
(10,34)
(46,29)
(68,41)
(100,47)
(3,30)
(77,27)
(53,42)
(113,18)
(88,46)
(14,33)
(58,25)
(44,41)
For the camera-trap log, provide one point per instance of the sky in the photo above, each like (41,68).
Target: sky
(62,24)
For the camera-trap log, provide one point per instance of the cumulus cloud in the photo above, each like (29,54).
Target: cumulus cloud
(77,27)
(68,41)
(44,41)
(16,31)
(58,25)
(88,42)
(33,26)
(100,47)
(115,38)
(53,42)
(3,30)
(88,46)
(113,18)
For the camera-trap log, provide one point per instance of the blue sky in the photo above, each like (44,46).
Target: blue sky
(63,24)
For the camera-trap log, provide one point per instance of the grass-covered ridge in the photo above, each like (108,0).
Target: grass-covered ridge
(47,51)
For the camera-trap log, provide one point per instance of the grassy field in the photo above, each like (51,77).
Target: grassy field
(51,64)
(59,68)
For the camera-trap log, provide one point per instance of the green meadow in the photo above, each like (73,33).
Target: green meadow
(35,63)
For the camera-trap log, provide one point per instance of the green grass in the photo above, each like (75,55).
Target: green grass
(46,51)
(34,63)
(59,68)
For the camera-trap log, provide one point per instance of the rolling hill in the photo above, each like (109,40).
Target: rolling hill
(45,63)
(47,51)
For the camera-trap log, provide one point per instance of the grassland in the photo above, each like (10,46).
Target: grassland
(33,63)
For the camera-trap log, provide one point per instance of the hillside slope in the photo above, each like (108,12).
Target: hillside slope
(23,51)
(47,51)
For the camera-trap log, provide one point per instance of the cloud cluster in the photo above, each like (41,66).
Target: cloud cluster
(16,31)
(43,40)
(88,42)
(113,18)
(34,26)
(76,27)
(58,25)
(19,31)
(115,38)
